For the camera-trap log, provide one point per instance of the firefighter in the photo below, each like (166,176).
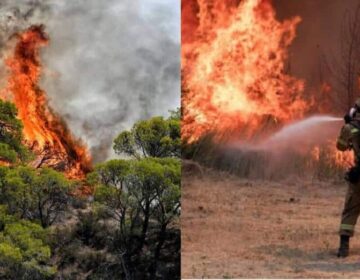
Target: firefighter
(349,139)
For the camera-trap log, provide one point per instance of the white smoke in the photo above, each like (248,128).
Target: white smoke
(109,63)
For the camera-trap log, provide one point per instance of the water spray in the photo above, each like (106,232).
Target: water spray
(303,127)
(301,148)
(314,130)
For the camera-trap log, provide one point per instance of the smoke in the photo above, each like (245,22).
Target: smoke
(109,63)
(319,38)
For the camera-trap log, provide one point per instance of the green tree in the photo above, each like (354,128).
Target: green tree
(11,146)
(167,204)
(24,252)
(111,192)
(133,192)
(149,174)
(16,191)
(36,194)
(51,194)
(141,194)
(156,137)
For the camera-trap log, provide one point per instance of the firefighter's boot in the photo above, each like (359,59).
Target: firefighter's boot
(344,246)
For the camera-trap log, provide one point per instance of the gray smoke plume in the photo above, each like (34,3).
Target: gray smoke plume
(109,63)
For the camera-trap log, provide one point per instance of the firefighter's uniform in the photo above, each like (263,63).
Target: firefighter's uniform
(349,138)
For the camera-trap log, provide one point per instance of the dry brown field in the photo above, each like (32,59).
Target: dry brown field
(239,228)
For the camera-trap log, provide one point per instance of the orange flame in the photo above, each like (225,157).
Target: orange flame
(328,155)
(44,131)
(236,83)
(234,71)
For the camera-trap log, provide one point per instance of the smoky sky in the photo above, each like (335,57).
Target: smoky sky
(109,63)
(318,34)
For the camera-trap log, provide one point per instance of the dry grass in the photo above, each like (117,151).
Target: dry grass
(234,228)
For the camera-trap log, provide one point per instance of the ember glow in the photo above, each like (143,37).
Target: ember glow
(234,72)
(44,131)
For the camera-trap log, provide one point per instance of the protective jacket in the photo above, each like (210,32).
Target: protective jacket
(348,139)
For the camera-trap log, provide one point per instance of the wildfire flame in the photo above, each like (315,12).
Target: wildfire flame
(44,131)
(234,71)
(236,82)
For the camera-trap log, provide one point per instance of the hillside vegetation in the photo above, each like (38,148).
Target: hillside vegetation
(126,229)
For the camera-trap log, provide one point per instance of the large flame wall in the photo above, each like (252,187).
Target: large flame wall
(234,71)
(237,82)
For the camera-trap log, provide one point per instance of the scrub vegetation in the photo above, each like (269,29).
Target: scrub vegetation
(128,228)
